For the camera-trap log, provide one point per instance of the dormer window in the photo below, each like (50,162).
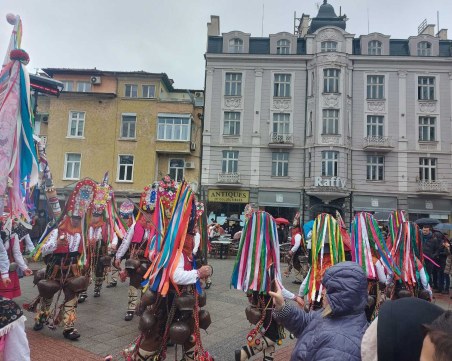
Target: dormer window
(283,47)
(236,45)
(328,46)
(424,48)
(374,47)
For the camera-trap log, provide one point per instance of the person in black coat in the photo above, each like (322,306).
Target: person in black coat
(430,246)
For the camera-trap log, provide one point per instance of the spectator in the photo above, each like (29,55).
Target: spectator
(396,334)
(334,332)
(443,252)
(437,345)
(448,268)
(13,341)
(430,246)
(280,234)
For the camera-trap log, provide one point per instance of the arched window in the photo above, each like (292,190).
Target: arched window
(283,47)
(374,47)
(327,46)
(424,48)
(236,45)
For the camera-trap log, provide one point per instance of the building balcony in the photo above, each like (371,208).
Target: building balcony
(432,186)
(381,144)
(172,147)
(229,178)
(281,140)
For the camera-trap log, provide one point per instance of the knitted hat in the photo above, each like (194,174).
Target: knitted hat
(400,334)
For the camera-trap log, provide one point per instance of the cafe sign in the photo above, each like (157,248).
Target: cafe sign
(329,182)
(228,196)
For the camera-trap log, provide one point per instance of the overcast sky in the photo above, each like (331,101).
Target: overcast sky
(170,35)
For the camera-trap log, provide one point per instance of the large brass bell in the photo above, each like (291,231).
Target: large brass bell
(78,284)
(179,332)
(132,264)
(148,298)
(253,315)
(202,298)
(185,302)
(148,322)
(39,275)
(204,319)
(47,288)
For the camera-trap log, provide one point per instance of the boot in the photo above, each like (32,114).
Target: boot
(43,313)
(82,297)
(246,352)
(97,288)
(189,355)
(71,334)
(132,303)
(111,284)
(269,353)
(143,355)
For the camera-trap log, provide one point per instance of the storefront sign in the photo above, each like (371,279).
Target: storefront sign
(228,196)
(329,182)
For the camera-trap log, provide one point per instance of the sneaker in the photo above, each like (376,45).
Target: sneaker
(111,285)
(71,334)
(82,298)
(96,293)
(128,316)
(38,326)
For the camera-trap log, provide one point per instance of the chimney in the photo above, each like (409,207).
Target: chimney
(304,25)
(429,30)
(213,28)
(442,34)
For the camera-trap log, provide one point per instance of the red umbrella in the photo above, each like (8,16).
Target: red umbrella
(281,221)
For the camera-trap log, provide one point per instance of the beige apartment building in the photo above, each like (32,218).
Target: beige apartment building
(135,125)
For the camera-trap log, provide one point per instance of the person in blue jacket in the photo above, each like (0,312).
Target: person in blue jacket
(334,332)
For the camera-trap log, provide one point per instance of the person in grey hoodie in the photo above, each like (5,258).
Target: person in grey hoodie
(333,333)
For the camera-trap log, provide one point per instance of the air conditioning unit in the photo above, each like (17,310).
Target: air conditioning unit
(192,146)
(95,80)
(198,94)
(189,165)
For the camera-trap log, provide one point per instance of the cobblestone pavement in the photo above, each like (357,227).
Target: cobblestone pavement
(104,331)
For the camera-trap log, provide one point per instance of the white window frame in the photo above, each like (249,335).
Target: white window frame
(331,78)
(330,121)
(71,163)
(282,85)
(233,84)
(78,121)
(427,129)
(424,48)
(68,84)
(375,126)
(374,47)
(231,124)
(236,46)
(129,115)
(328,46)
(83,86)
(330,163)
(145,91)
(280,164)
(170,125)
(281,123)
(427,169)
(131,91)
(126,166)
(426,88)
(283,47)
(375,169)
(176,169)
(375,87)
(230,161)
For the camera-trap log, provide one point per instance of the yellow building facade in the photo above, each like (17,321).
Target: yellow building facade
(134,125)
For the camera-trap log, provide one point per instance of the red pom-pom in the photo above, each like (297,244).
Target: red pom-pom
(19,54)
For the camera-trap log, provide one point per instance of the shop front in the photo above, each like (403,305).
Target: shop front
(380,206)
(423,207)
(280,203)
(223,203)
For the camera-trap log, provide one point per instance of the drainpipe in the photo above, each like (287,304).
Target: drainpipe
(304,144)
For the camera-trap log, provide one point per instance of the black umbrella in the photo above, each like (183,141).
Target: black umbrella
(233,218)
(426,221)
(443,227)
